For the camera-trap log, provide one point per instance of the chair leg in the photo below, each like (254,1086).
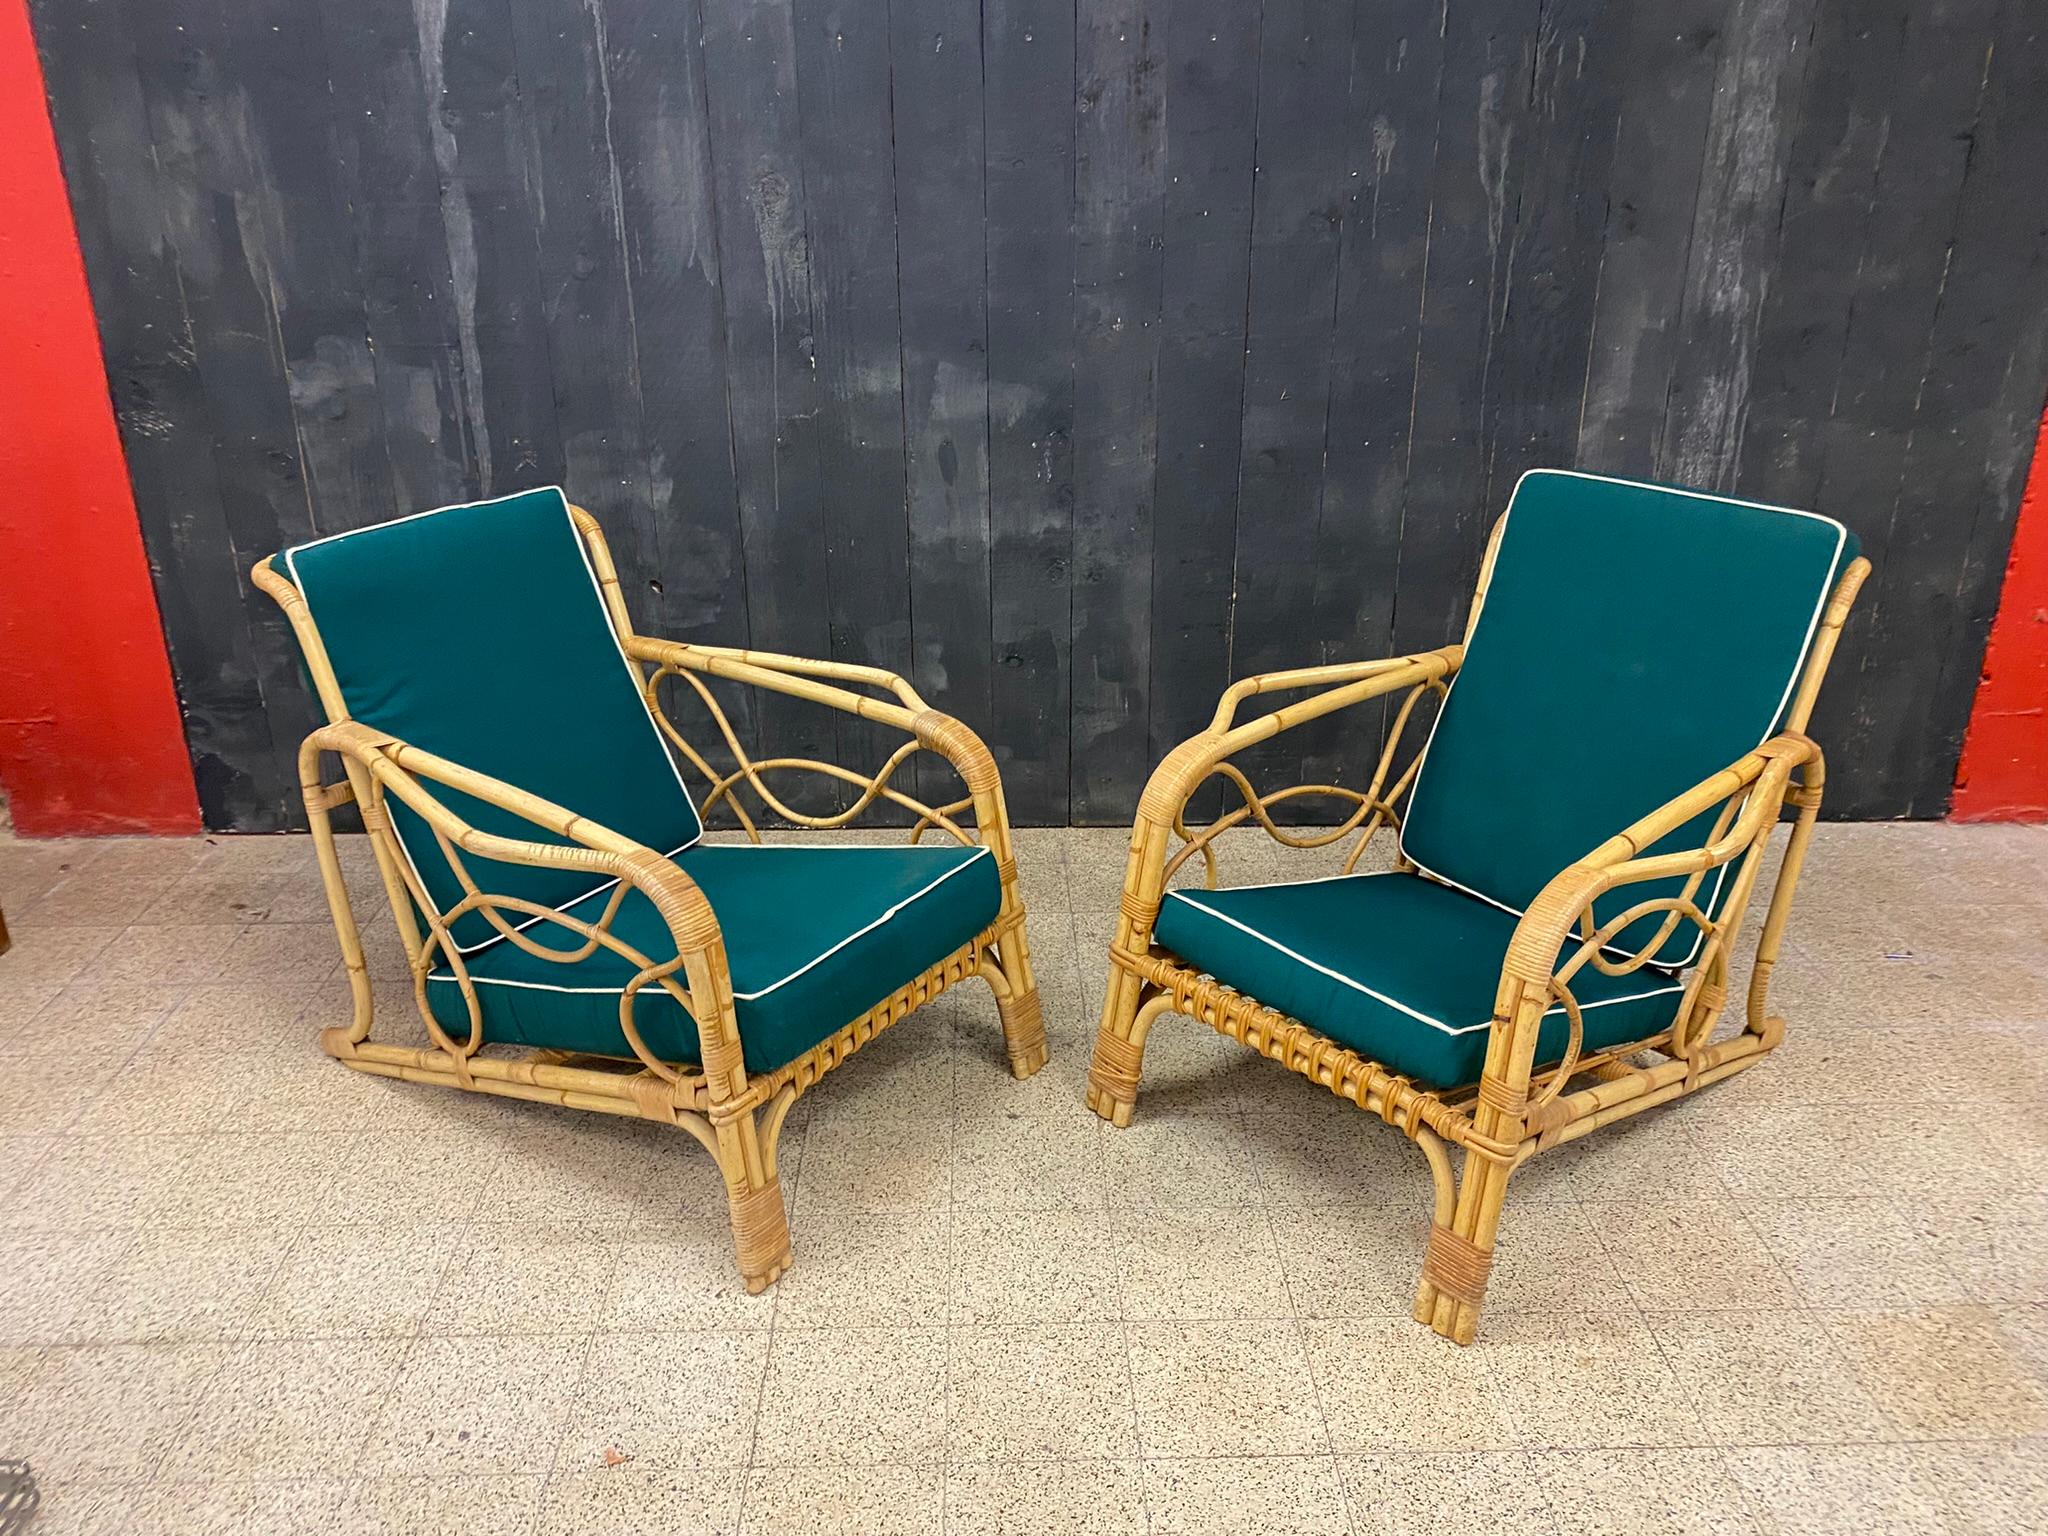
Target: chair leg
(753,1189)
(1460,1253)
(1127,1019)
(1017,1002)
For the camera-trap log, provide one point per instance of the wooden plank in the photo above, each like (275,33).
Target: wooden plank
(563,66)
(1979,402)
(1212,90)
(224,211)
(660,140)
(402,252)
(105,136)
(1304,73)
(1668,57)
(1742,186)
(771,359)
(942,266)
(1831,199)
(483,146)
(1487,54)
(1028,66)
(1390,152)
(1119,174)
(1542,355)
(843,77)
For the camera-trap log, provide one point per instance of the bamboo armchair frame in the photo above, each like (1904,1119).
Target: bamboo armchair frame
(738,1116)
(1514,1111)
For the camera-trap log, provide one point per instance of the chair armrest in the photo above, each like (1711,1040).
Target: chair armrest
(397,768)
(797,676)
(1752,792)
(1758,782)
(1183,770)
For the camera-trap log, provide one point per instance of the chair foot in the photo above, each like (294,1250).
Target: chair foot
(760,1230)
(1023,1031)
(1120,1057)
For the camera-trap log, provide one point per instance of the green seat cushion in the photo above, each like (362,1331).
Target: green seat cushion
(1398,967)
(1634,640)
(478,633)
(815,935)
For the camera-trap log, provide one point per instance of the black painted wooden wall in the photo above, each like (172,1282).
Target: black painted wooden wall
(1070,358)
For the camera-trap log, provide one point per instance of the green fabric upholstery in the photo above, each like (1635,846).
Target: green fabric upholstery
(814,936)
(1398,967)
(478,633)
(1635,640)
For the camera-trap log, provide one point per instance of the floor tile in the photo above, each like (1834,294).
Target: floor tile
(1394,1385)
(1611,1388)
(683,1276)
(884,1165)
(1194,1263)
(1247,1496)
(829,1389)
(180,1508)
(1352,1261)
(1221,1389)
(668,1400)
(1030,1164)
(629,1500)
(880,1499)
(1826,1490)
(356,1281)
(1681,1494)
(1854,1253)
(52,1283)
(1475,1494)
(1040,1393)
(419,1506)
(190,1283)
(512,1277)
(877,1268)
(1752,1368)
(472,1406)
(1159,1161)
(1942,1373)
(1033,1267)
(108,1411)
(288,1408)
(1045,1498)
(1697,1253)
(92,1183)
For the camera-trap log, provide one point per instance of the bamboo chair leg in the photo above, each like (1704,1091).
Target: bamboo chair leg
(1460,1254)
(753,1189)
(1120,1047)
(1009,976)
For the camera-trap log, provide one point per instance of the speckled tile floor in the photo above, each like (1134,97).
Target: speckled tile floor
(245,1289)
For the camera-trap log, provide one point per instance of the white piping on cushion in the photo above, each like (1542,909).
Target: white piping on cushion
(1798,666)
(748,997)
(1381,997)
(582,549)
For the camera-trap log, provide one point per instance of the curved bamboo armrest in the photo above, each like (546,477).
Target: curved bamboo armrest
(797,676)
(397,768)
(1752,793)
(1182,771)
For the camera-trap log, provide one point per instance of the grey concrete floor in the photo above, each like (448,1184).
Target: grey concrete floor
(245,1289)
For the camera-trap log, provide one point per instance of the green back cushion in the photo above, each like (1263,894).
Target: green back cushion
(478,633)
(1634,640)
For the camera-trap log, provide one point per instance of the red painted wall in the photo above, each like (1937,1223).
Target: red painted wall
(90,736)
(2003,775)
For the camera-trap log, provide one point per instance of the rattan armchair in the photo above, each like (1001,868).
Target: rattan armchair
(500,728)
(1578,840)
